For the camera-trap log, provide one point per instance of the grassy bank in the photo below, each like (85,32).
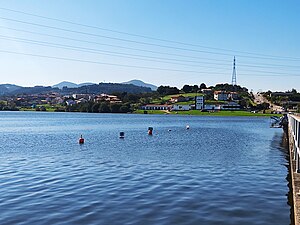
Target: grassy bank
(49,108)
(199,113)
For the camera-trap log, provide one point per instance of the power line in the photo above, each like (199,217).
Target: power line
(124,55)
(104,63)
(129,66)
(140,42)
(104,52)
(144,36)
(258,65)
(111,45)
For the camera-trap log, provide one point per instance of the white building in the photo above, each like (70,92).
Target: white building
(178,107)
(224,96)
(212,107)
(199,102)
(233,95)
(231,106)
(156,107)
(220,95)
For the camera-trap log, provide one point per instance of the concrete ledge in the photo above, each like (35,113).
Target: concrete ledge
(295,177)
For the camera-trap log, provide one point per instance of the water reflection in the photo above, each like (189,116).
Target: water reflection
(280,143)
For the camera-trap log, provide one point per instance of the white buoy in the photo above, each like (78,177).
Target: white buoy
(187,127)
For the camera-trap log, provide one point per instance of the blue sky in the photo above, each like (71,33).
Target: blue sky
(263,35)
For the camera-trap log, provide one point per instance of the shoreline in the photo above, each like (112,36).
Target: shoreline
(199,113)
(163,112)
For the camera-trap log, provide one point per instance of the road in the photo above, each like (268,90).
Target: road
(259,99)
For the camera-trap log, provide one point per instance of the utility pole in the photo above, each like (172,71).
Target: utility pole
(233,79)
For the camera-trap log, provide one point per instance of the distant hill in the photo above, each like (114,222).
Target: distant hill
(107,88)
(34,90)
(72,88)
(70,85)
(8,88)
(141,84)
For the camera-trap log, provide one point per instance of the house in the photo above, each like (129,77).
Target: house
(233,96)
(70,102)
(224,96)
(199,102)
(220,95)
(156,107)
(82,100)
(108,98)
(207,91)
(179,98)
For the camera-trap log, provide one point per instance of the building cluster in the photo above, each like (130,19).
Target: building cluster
(223,101)
(32,100)
(83,98)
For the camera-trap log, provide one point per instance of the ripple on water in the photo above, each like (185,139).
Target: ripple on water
(221,171)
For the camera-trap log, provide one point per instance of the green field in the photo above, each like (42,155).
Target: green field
(185,103)
(49,108)
(168,97)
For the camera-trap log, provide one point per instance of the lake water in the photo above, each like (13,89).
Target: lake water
(223,170)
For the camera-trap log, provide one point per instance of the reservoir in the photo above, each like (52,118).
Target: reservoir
(222,170)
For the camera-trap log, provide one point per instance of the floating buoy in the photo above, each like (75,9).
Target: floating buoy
(150,129)
(122,135)
(169,130)
(187,127)
(81,140)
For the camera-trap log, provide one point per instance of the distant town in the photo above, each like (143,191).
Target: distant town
(131,98)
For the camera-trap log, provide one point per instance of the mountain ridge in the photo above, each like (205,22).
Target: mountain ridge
(141,84)
(109,88)
(70,84)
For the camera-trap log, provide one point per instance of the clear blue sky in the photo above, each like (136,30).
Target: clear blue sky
(214,32)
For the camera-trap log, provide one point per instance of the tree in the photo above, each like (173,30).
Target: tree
(203,86)
(104,107)
(124,108)
(115,108)
(95,108)
(263,106)
(195,88)
(167,90)
(187,88)
(2,105)
(144,101)
(131,98)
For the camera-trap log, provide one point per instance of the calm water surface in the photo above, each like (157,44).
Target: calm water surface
(223,170)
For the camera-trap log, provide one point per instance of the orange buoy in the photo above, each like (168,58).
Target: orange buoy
(81,140)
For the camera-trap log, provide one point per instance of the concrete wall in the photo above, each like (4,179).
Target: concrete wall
(293,134)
